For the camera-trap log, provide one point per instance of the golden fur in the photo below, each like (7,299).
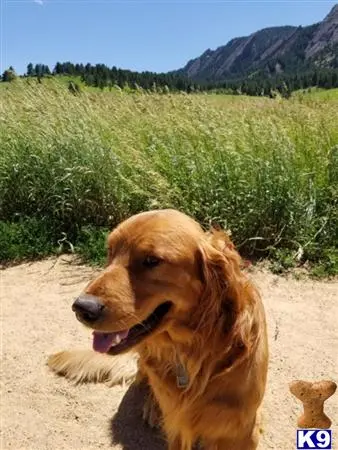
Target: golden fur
(215,330)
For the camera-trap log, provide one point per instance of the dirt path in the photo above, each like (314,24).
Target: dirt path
(41,411)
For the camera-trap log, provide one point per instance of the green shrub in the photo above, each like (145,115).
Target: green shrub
(265,169)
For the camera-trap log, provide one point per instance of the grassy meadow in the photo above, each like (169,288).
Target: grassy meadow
(73,166)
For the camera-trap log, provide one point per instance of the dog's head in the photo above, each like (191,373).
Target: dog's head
(163,272)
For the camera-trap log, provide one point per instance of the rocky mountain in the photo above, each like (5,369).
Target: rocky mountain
(272,50)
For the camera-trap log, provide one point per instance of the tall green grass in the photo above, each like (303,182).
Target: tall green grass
(71,166)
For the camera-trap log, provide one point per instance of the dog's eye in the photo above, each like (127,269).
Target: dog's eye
(151,261)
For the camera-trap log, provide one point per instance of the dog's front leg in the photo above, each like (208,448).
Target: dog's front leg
(151,411)
(221,444)
(176,444)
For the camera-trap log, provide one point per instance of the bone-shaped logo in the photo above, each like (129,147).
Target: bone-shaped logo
(313,396)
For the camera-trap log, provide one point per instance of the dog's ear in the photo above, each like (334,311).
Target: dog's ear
(219,239)
(228,305)
(223,281)
(221,262)
(229,299)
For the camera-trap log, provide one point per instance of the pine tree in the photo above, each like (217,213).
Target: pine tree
(58,68)
(30,70)
(38,70)
(9,75)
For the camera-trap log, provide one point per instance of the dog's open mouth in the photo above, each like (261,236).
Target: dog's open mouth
(117,342)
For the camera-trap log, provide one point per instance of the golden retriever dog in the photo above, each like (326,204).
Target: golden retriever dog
(177,296)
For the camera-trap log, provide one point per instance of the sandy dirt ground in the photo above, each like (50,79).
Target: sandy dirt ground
(42,411)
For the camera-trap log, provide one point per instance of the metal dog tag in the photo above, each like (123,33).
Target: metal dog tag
(182,377)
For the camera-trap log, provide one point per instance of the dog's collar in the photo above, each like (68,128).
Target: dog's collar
(182,377)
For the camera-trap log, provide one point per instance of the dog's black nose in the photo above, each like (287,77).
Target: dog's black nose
(88,308)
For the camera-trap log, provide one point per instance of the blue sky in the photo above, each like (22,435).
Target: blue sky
(158,35)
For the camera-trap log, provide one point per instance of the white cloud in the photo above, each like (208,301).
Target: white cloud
(39,2)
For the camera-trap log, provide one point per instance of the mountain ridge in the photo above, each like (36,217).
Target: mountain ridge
(270,51)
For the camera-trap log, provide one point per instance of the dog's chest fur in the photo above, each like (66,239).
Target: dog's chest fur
(191,394)
(179,392)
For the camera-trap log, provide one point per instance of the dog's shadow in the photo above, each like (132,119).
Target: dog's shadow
(128,427)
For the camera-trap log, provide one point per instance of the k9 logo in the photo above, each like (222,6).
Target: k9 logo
(315,439)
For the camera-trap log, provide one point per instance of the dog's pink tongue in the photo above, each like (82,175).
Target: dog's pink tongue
(102,342)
